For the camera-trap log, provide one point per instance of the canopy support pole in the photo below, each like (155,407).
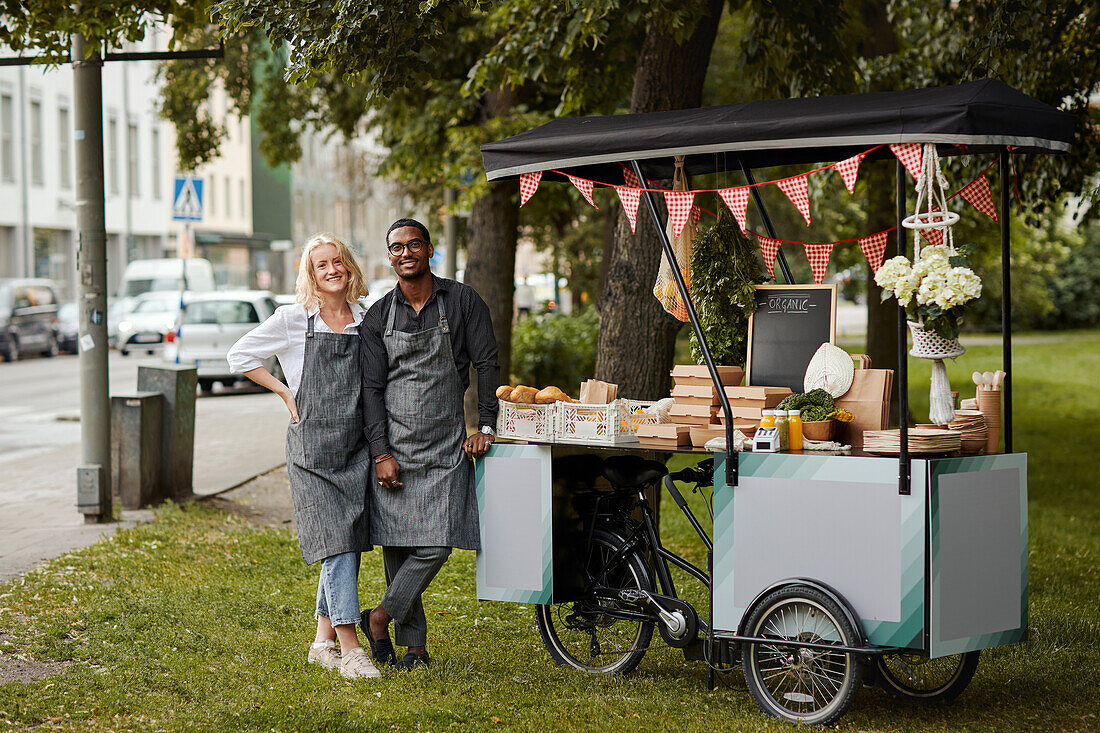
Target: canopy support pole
(766,219)
(904,470)
(731,455)
(1006,303)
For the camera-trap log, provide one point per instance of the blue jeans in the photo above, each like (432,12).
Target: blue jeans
(338,589)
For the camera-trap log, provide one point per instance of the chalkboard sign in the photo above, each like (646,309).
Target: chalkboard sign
(789,324)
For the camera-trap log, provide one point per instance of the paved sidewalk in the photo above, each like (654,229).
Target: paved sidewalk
(237,437)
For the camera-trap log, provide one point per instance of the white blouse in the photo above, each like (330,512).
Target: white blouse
(284,335)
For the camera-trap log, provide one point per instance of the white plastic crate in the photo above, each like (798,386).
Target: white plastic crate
(610,424)
(523,421)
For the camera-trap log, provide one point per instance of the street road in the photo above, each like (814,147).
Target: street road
(238,434)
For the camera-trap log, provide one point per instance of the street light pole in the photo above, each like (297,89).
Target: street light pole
(93,484)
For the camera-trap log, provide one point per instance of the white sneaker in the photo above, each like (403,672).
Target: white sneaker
(326,654)
(357,663)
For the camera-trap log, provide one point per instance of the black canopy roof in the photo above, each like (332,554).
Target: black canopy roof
(982,115)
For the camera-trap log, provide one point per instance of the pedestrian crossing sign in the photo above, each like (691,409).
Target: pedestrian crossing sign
(187,199)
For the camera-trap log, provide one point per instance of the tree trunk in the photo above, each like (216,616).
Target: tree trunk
(490,270)
(637,338)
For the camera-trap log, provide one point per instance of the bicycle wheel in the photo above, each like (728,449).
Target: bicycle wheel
(800,684)
(914,676)
(581,634)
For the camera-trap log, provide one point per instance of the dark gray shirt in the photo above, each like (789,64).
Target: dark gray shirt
(472,342)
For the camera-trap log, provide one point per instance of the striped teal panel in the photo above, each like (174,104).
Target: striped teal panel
(726,616)
(485,591)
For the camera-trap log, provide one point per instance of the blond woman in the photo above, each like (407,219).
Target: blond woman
(328,460)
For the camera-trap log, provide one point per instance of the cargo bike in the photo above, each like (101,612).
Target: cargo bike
(824,572)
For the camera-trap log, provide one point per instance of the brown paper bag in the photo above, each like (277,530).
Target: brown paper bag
(595,392)
(868,400)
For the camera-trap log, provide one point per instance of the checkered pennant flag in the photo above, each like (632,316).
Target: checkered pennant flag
(818,255)
(910,156)
(679,207)
(932,237)
(630,198)
(629,177)
(873,247)
(849,171)
(585,187)
(737,200)
(979,196)
(770,248)
(798,191)
(528,184)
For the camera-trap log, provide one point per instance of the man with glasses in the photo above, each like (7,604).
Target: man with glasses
(419,341)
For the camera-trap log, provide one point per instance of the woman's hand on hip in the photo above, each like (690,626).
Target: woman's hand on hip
(291,404)
(388,474)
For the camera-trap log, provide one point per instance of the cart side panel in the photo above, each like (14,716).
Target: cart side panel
(978,523)
(835,519)
(514,504)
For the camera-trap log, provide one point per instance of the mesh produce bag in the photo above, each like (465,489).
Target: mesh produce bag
(665,289)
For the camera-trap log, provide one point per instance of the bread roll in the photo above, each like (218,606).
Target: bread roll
(504,391)
(523,394)
(550,394)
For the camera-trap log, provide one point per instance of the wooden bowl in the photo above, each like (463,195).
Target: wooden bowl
(819,429)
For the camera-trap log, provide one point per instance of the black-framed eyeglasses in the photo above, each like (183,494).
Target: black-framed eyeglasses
(397,248)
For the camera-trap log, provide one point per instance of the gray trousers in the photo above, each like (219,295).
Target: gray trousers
(409,570)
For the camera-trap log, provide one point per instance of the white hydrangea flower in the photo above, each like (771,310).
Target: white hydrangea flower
(891,272)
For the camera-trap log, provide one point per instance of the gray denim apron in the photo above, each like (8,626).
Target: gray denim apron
(437,505)
(327,456)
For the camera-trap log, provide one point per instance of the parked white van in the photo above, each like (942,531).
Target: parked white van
(150,276)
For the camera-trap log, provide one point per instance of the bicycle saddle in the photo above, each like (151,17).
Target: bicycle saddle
(628,472)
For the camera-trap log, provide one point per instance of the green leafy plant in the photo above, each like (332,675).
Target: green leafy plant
(724,272)
(814,398)
(555,350)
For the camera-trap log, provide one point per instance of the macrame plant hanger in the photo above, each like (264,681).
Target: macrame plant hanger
(931,194)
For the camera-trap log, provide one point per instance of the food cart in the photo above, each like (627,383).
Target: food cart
(825,571)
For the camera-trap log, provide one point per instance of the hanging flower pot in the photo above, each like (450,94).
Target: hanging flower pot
(930,345)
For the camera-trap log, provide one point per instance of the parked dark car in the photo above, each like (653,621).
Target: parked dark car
(28,318)
(68,327)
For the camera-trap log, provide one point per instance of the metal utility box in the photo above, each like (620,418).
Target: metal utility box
(136,425)
(178,385)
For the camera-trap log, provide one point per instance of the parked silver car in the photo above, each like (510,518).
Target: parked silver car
(149,318)
(212,323)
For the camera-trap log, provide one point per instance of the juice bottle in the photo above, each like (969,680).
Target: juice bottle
(794,428)
(784,429)
(768,419)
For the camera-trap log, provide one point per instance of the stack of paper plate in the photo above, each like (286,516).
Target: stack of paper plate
(970,424)
(921,441)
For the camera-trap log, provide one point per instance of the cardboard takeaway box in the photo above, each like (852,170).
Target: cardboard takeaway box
(868,399)
(695,395)
(691,375)
(664,434)
(692,414)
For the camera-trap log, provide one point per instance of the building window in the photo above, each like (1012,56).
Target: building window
(7,132)
(228,198)
(112,156)
(210,198)
(156,163)
(38,175)
(241,188)
(64,148)
(132,161)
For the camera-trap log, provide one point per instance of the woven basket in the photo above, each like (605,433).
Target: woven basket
(930,345)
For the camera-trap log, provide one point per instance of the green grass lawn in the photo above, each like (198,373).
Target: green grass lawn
(198,621)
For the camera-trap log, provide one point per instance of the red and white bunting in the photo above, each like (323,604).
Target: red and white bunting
(910,156)
(528,184)
(696,215)
(584,186)
(737,200)
(818,255)
(849,171)
(797,189)
(980,197)
(679,207)
(933,237)
(630,178)
(770,248)
(630,198)
(873,247)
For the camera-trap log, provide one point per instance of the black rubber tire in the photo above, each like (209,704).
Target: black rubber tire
(206,386)
(13,353)
(931,680)
(565,640)
(796,674)
(52,349)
